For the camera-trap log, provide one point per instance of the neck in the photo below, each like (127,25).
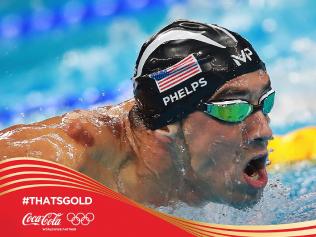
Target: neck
(161,161)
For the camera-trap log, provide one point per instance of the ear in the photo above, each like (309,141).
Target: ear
(172,135)
(169,132)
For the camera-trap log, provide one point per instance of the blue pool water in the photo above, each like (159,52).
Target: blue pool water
(57,56)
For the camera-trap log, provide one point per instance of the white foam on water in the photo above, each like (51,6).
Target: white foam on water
(275,207)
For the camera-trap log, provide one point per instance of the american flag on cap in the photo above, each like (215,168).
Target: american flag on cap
(172,76)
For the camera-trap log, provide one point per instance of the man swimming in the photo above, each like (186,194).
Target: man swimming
(196,131)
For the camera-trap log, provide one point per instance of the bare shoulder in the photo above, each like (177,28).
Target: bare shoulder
(102,131)
(101,126)
(74,139)
(45,139)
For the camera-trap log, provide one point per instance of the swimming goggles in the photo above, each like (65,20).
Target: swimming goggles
(238,110)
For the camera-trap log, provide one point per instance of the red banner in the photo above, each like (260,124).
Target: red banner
(42,198)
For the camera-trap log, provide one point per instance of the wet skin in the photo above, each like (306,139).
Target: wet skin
(195,160)
(220,151)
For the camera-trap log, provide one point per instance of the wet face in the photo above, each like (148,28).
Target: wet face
(229,159)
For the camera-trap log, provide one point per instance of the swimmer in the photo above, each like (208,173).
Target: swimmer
(196,130)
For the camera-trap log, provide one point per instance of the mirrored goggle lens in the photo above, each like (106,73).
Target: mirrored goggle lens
(268,103)
(230,112)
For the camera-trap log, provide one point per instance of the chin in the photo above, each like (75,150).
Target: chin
(245,200)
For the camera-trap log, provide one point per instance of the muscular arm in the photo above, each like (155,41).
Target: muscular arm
(47,140)
(87,141)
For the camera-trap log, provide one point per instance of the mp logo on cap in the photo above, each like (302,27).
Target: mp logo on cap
(242,58)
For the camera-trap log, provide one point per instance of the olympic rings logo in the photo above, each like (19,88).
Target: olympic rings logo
(80,218)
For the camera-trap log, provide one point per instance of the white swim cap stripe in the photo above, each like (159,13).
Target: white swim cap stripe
(225,31)
(168,36)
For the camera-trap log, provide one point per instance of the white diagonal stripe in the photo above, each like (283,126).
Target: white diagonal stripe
(172,35)
(225,31)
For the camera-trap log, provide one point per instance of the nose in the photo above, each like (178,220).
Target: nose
(257,128)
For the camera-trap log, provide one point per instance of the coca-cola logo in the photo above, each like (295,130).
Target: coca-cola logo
(49,219)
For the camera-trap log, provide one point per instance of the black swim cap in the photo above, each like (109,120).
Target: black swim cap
(182,66)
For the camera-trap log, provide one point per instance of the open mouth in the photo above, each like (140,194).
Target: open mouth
(255,172)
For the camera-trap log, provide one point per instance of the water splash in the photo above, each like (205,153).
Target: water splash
(277,205)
